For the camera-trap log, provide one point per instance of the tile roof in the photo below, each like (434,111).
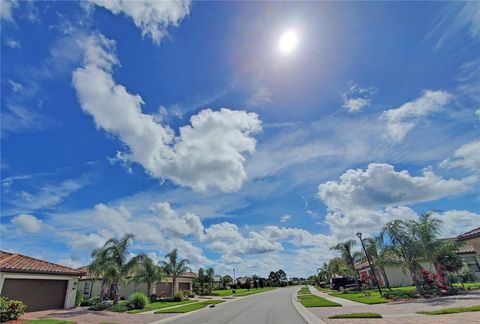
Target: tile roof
(474,233)
(466,249)
(15,262)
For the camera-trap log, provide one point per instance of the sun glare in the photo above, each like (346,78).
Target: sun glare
(288,42)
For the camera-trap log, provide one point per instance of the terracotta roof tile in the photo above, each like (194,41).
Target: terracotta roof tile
(465,249)
(14,262)
(470,234)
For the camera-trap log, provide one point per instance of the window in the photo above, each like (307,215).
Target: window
(86,289)
(472,263)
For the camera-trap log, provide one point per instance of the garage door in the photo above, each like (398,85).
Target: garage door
(36,294)
(182,286)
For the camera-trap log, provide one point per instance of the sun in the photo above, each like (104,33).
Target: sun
(288,42)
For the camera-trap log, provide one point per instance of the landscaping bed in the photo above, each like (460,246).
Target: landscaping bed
(191,307)
(159,305)
(356,315)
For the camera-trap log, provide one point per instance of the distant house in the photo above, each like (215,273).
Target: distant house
(91,286)
(399,277)
(39,284)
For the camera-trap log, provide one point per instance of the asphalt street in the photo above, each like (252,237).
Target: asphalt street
(273,307)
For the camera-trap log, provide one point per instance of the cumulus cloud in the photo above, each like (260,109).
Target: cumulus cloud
(207,153)
(27,223)
(456,222)
(477,113)
(6,8)
(400,121)
(380,185)
(355,98)
(225,231)
(151,17)
(260,97)
(466,156)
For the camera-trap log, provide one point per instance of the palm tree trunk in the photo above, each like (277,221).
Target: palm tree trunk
(149,289)
(385,278)
(103,290)
(174,288)
(116,293)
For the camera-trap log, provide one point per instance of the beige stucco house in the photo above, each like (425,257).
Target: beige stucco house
(91,286)
(39,284)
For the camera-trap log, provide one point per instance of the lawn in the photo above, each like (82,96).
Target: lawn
(48,321)
(315,301)
(159,305)
(360,297)
(190,307)
(468,285)
(241,291)
(323,289)
(452,310)
(357,315)
(304,290)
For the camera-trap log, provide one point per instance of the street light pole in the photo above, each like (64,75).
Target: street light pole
(359,235)
(234,280)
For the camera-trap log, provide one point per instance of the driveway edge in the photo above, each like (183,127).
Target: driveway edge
(308,316)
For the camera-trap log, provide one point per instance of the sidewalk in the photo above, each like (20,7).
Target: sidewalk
(341,301)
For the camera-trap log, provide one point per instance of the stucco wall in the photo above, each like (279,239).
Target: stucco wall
(71,286)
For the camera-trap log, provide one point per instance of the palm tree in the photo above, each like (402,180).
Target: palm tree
(113,260)
(377,250)
(324,273)
(147,271)
(210,278)
(174,268)
(226,280)
(345,249)
(336,267)
(405,249)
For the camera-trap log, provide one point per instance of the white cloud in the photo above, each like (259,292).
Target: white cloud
(355,98)
(225,231)
(207,153)
(152,17)
(6,8)
(477,113)
(285,218)
(27,223)
(400,121)
(16,119)
(16,87)
(456,222)
(12,43)
(466,156)
(260,97)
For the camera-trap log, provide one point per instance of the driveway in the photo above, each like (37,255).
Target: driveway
(273,307)
(82,315)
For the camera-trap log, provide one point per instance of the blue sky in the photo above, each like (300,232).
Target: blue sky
(186,124)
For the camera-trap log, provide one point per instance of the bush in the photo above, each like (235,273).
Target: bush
(10,309)
(78,298)
(91,301)
(138,300)
(234,291)
(153,297)
(399,294)
(178,297)
(100,306)
(119,308)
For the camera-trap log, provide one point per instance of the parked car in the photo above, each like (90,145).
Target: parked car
(344,282)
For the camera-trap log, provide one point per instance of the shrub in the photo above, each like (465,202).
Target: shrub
(137,300)
(178,297)
(78,298)
(234,291)
(10,309)
(119,308)
(153,297)
(100,306)
(91,301)
(399,294)
(357,315)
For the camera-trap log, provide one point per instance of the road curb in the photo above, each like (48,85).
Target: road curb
(307,315)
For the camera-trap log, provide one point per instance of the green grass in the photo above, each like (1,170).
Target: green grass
(49,321)
(357,315)
(241,292)
(323,289)
(452,310)
(159,305)
(360,297)
(304,290)
(315,301)
(468,285)
(189,308)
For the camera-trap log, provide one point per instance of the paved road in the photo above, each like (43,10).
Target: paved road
(273,307)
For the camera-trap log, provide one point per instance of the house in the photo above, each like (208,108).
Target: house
(472,237)
(39,284)
(91,286)
(398,277)
(471,250)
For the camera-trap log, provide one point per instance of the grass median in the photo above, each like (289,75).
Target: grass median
(309,300)
(189,307)
(452,310)
(240,291)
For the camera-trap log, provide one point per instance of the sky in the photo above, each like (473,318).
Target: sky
(192,126)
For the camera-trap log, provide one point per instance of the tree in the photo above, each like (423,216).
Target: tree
(345,249)
(147,271)
(226,280)
(112,260)
(174,268)
(378,252)
(255,281)
(404,248)
(210,278)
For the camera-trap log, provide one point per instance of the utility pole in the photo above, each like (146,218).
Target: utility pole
(359,235)
(234,279)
